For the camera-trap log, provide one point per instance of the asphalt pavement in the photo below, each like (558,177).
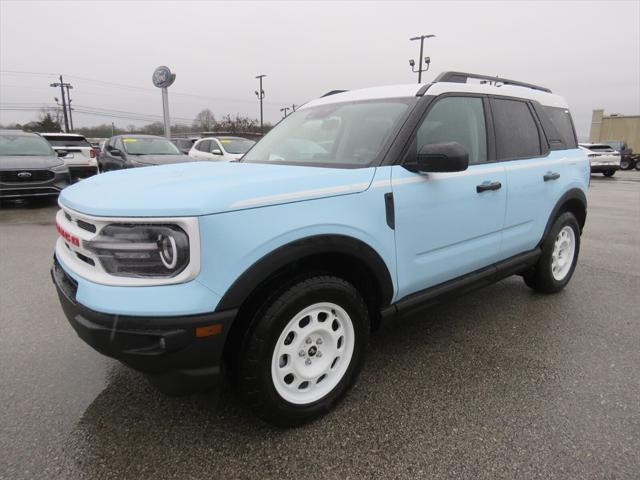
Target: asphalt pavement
(501,383)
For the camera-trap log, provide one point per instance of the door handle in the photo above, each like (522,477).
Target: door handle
(483,187)
(551,176)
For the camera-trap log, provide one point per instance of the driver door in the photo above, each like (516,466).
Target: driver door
(449,224)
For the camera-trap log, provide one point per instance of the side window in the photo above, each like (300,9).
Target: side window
(214,145)
(456,119)
(118,144)
(203,146)
(516,130)
(561,119)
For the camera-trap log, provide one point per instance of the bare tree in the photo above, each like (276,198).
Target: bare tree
(205,121)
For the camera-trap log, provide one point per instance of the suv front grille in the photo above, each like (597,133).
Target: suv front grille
(25,176)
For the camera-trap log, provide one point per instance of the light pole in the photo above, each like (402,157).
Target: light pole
(285,110)
(62,86)
(260,95)
(426,59)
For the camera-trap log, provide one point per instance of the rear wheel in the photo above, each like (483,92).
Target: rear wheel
(304,350)
(559,256)
(625,164)
(638,164)
(609,173)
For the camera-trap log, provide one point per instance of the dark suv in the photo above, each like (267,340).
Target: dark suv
(130,151)
(29,167)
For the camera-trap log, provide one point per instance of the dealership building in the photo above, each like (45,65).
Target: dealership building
(615,127)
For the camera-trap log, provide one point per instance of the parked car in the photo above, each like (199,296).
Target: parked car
(220,148)
(29,167)
(130,151)
(627,158)
(80,156)
(603,158)
(358,207)
(184,144)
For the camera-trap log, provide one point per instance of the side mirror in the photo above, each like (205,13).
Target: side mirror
(115,152)
(62,153)
(216,151)
(440,157)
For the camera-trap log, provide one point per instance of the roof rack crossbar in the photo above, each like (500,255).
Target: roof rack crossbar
(462,77)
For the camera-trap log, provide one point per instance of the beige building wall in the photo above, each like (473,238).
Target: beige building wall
(618,127)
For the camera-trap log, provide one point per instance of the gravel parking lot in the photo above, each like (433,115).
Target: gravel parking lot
(502,383)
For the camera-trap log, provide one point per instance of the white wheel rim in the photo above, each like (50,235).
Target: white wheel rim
(312,353)
(564,249)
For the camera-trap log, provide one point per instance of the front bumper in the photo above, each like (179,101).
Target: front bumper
(167,348)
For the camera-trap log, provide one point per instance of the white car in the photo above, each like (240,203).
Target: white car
(81,156)
(603,158)
(220,148)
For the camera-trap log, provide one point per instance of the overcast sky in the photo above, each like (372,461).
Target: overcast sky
(588,52)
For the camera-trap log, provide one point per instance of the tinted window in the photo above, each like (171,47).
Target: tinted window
(456,119)
(236,145)
(561,119)
(70,141)
(516,130)
(204,146)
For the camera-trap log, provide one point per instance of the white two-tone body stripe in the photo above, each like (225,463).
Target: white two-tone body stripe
(359,187)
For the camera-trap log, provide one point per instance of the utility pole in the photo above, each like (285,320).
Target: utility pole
(260,95)
(62,86)
(285,110)
(68,86)
(113,127)
(293,107)
(426,59)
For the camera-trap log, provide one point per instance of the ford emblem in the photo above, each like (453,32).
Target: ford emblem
(24,175)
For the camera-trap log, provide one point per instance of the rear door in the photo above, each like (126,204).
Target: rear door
(447,224)
(535,173)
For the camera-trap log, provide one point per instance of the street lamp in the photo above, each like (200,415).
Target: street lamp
(427,60)
(260,95)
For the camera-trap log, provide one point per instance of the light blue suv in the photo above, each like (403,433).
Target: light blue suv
(360,206)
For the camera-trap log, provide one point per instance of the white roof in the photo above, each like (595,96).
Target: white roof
(410,90)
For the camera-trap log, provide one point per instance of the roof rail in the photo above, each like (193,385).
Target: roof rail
(333,92)
(462,77)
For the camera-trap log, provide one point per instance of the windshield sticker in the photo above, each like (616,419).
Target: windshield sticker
(129,139)
(226,141)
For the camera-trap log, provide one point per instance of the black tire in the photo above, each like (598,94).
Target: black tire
(541,278)
(609,173)
(637,164)
(625,164)
(256,384)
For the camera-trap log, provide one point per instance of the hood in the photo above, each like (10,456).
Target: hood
(202,188)
(17,162)
(159,159)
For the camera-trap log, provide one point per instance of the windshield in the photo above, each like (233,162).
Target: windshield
(236,145)
(149,146)
(340,134)
(71,141)
(24,145)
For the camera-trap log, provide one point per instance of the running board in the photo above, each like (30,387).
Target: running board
(459,286)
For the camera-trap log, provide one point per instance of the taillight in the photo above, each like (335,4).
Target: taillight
(92,153)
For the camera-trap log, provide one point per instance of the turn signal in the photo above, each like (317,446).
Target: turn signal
(209,330)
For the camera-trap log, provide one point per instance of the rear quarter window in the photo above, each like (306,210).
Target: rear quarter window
(561,119)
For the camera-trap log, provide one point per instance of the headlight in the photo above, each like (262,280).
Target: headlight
(141,250)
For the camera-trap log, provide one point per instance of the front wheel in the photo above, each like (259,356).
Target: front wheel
(625,164)
(304,350)
(559,256)
(609,173)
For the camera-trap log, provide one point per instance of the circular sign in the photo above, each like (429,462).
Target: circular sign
(162,77)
